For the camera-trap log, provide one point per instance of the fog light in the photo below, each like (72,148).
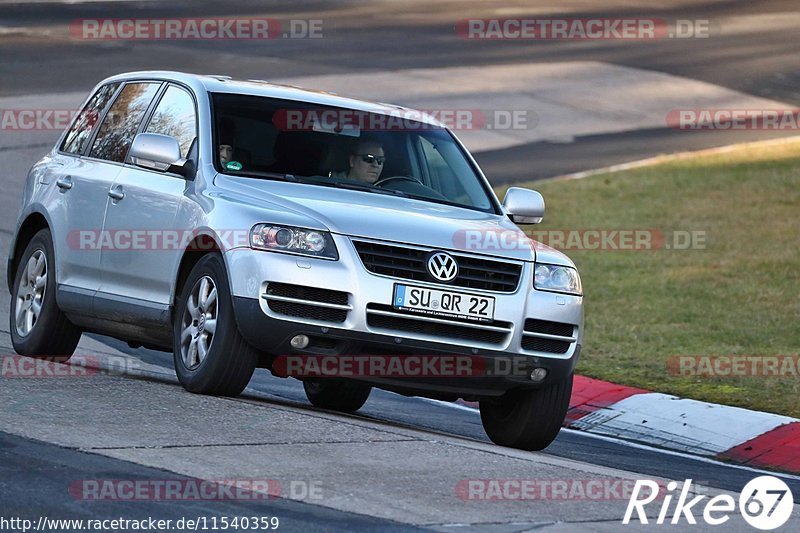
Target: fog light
(299,342)
(538,374)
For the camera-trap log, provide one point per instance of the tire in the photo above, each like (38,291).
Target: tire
(46,332)
(344,396)
(527,419)
(221,362)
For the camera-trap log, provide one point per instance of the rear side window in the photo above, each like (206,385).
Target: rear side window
(122,121)
(84,124)
(175,116)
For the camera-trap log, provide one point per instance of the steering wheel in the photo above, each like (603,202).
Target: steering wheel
(403,178)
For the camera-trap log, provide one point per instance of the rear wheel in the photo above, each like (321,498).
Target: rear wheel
(344,396)
(528,419)
(211,357)
(38,327)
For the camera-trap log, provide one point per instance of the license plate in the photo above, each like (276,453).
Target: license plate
(443,303)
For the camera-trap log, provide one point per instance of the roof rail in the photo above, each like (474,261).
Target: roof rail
(220,77)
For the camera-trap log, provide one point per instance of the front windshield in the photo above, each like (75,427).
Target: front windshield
(268,138)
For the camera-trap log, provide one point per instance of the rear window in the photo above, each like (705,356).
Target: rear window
(84,124)
(122,121)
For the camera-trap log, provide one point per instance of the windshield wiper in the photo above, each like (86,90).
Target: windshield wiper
(313,180)
(440,201)
(367,188)
(325,182)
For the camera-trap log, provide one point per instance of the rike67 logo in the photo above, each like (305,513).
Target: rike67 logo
(766,503)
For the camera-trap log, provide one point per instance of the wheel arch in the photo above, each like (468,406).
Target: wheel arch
(201,245)
(33,223)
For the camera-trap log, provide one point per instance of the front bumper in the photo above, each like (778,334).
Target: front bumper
(368,325)
(273,336)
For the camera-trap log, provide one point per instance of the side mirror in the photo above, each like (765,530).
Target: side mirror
(157,152)
(524,206)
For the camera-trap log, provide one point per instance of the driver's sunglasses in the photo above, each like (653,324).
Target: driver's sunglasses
(370,159)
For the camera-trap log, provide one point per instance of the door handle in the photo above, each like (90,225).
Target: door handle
(64,184)
(116,194)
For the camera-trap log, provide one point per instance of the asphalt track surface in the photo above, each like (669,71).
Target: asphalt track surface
(35,474)
(761,61)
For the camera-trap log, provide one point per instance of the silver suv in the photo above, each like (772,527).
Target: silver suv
(243,224)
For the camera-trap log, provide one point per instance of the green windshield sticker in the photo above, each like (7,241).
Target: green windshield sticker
(233,165)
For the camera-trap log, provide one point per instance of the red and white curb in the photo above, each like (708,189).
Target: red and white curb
(700,428)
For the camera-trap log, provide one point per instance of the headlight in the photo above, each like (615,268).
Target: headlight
(293,240)
(557,279)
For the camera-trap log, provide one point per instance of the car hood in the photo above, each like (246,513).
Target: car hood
(389,218)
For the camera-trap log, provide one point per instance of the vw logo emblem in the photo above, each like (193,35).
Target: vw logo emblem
(442,266)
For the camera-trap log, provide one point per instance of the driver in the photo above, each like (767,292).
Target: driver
(366,161)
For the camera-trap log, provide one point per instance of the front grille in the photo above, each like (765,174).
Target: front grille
(411,263)
(538,336)
(386,317)
(307,302)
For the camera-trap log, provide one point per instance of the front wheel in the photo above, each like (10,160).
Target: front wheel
(527,419)
(211,357)
(38,327)
(344,396)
